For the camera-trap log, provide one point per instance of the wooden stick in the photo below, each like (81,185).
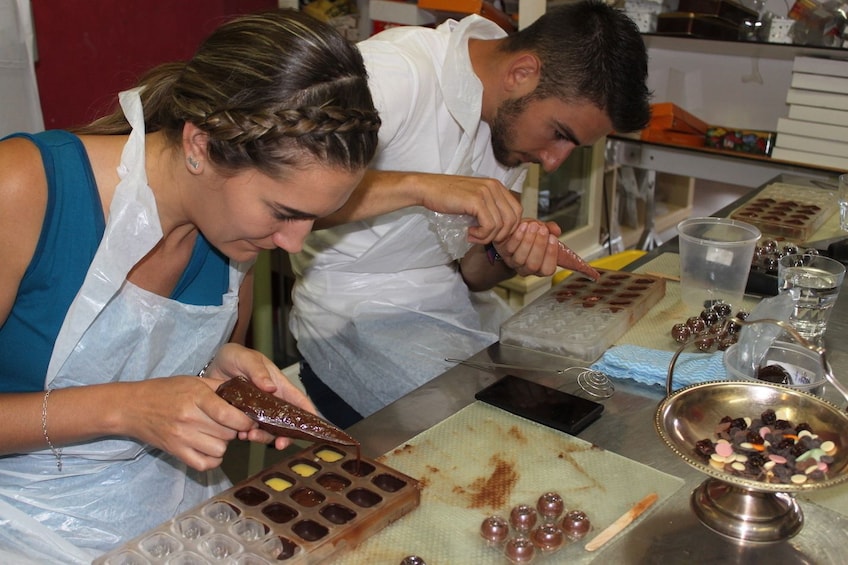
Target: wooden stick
(663,276)
(622,522)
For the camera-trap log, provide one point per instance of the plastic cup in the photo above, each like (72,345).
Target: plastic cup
(842,197)
(715,259)
(814,282)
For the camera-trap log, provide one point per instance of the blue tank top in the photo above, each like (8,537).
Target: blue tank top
(73,228)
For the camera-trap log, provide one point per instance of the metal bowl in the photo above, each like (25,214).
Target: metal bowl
(692,414)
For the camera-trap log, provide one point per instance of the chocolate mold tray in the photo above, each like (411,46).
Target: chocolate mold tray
(787,210)
(580,318)
(306,509)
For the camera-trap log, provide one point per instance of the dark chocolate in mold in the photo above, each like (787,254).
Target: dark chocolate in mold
(317,518)
(580,319)
(251,495)
(792,212)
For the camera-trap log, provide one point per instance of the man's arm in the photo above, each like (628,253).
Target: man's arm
(495,208)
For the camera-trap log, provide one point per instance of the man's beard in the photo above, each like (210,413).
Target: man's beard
(503,128)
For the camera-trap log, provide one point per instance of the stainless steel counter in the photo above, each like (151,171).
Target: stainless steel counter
(670,533)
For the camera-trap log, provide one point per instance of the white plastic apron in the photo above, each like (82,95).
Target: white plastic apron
(379,327)
(113,489)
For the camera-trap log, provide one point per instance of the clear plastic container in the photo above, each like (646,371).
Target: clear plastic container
(804,366)
(715,259)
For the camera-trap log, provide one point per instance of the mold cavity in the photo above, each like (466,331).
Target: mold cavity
(221,512)
(192,527)
(279,513)
(280,548)
(160,545)
(304,468)
(308,497)
(620,302)
(251,495)
(250,529)
(637,288)
(277,481)
(358,468)
(329,454)
(388,483)
(618,276)
(629,295)
(576,286)
(364,497)
(644,281)
(310,530)
(219,546)
(337,514)
(333,482)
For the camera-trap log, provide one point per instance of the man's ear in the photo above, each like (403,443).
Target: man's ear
(195,142)
(522,74)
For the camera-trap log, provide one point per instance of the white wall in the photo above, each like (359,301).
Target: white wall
(20,109)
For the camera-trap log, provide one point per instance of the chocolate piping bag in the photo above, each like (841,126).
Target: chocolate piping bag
(278,417)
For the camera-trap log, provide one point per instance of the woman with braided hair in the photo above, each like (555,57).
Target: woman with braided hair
(126,253)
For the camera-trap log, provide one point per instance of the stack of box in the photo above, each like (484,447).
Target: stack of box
(673,125)
(816,129)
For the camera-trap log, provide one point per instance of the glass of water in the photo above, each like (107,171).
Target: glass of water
(814,282)
(842,196)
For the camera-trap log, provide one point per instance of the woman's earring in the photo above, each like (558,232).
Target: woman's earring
(191,161)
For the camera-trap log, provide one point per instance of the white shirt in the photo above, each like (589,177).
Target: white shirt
(363,285)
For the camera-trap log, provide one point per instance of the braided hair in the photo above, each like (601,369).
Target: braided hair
(271,91)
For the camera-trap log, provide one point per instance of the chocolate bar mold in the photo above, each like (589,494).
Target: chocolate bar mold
(786,210)
(579,318)
(308,508)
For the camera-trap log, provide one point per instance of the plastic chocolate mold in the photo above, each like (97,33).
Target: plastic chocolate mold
(579,318)
(308,508)
(787,210)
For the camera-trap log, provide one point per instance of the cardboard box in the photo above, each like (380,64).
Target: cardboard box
(670,116)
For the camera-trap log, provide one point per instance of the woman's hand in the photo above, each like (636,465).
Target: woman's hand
(234,360)
(185,417)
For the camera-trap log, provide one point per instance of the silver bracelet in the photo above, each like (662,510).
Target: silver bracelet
(202,372)
(56,452)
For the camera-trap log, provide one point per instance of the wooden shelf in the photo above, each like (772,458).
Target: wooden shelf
(734,48)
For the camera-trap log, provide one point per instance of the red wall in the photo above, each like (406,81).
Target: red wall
(89,50)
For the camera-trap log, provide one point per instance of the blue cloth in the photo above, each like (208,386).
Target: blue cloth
(71,233)
(650,366)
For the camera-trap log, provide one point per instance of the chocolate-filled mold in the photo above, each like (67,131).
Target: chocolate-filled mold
(279,516)
(579,318)
(786,210)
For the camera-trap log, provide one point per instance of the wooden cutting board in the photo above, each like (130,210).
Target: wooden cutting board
(483,461)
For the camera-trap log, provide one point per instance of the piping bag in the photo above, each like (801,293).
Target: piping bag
(278,417)
(568,259)
(452,231)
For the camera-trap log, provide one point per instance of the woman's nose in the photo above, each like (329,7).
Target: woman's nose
(291,235)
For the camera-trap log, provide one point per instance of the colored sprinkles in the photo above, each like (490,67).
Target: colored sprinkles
(768,449)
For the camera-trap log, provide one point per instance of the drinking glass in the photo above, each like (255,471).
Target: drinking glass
(814,282)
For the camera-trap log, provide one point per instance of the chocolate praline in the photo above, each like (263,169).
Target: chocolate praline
(520,550)
(550,505)
(523,517)
(575,524)
(494,529)
(547,537)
